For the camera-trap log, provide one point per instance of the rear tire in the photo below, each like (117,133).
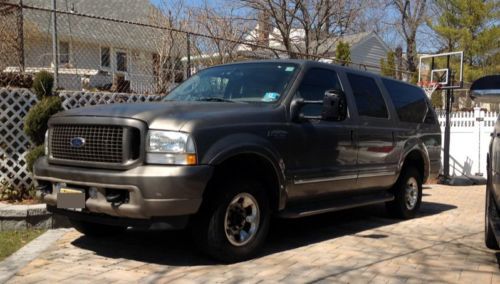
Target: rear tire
(407,194)
(95,229)
(233,223)
(489,236)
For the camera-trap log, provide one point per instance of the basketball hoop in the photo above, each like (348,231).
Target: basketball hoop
(429,87)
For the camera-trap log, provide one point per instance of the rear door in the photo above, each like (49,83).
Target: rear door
(377,159)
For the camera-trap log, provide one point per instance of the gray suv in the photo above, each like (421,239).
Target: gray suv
(237,144)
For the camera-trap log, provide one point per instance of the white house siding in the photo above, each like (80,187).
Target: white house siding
(369,52)
(141,71)
(37,52)
(85,56)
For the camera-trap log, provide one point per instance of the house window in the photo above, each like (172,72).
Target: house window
(105,57)
(121,61)
(64,52)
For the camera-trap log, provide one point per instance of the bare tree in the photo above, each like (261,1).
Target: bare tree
(170,44)
(225,29)
(11,33)
(412,15)
(308,28)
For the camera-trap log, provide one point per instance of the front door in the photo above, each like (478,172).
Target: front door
(323,152)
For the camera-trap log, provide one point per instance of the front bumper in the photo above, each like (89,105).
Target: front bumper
(154,191)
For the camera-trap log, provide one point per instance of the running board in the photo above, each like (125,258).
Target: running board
(324,206)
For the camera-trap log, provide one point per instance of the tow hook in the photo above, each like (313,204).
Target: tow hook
(116,197)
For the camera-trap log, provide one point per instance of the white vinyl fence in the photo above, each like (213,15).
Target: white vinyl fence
(14,144)
(469,140)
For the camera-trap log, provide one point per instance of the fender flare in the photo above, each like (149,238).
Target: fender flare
(237,144)
(418,146)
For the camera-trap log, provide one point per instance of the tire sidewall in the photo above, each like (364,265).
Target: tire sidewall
(407,213)
(217,243)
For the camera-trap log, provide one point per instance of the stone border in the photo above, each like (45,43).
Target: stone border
(33,216)
(12,264)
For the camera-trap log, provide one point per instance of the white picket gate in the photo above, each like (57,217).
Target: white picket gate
(469,140)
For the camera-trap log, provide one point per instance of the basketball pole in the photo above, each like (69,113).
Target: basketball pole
(449,101)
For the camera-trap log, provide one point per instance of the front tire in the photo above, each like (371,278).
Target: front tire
(95,229)
(407,194)
(234,222)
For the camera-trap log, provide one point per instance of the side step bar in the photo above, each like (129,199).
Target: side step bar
(324,206)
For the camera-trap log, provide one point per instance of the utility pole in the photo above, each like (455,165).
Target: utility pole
(55,57)
(188,71)
(20,36)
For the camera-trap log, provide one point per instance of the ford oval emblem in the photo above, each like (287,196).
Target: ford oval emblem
(77,142)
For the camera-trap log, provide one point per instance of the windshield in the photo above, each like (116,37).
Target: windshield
(249,82)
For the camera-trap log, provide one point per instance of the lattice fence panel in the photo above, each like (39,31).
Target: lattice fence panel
(82,99)
(14,144)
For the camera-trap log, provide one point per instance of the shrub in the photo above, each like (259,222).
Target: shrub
(16,80)
(35,123)
(437,99)
(43,84)
(9,193)
(33,155)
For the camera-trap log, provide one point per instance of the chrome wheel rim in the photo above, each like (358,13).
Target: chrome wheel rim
(242,219)
(411,193)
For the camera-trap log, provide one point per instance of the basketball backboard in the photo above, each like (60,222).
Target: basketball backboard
(443,69)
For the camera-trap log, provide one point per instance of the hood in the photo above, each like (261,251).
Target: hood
(171,115)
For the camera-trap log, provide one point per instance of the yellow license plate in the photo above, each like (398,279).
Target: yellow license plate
(69,190)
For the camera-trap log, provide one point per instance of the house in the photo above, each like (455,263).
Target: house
(94,53)
(367,48)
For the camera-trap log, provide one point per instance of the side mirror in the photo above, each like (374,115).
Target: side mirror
(334,106)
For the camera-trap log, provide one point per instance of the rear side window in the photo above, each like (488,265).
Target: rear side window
(369,100)
(410,101)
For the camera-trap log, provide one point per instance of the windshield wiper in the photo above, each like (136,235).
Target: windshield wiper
(214,100)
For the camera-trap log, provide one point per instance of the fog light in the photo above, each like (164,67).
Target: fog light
(93,193)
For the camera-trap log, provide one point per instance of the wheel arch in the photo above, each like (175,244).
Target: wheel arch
(258,159)
(418,158)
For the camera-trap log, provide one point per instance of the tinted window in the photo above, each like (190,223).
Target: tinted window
(368,98)
(313,87)
(410,101)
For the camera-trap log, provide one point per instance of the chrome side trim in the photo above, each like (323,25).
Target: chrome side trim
(315,180)
(379,174)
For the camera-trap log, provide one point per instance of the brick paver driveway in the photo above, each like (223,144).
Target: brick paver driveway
(445,244)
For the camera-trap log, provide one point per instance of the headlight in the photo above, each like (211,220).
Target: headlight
(170,147)
(46,143)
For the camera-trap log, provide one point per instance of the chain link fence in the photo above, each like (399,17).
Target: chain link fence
(128,46)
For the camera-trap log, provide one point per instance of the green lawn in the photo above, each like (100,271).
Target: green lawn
(11,241)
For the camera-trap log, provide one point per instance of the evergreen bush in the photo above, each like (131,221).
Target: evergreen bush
(35,123)
(43,84)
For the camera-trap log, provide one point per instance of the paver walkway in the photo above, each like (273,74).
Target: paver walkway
(445,244)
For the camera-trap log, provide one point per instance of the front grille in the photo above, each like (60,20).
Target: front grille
(102,143)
